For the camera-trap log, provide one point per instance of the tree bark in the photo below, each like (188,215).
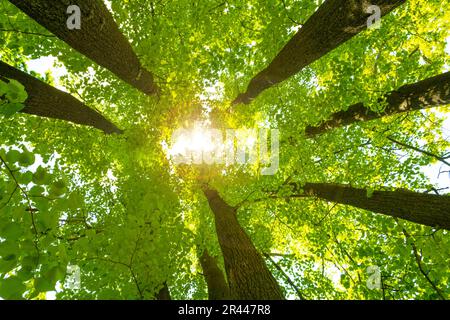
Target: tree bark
(164,293)
(45,101)
(248,276)
(431,92)
(215,279)
(98,39)
(335,22)
(427,209)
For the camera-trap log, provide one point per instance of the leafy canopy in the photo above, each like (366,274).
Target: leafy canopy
(120,210)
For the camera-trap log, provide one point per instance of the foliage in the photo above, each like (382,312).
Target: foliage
(131,220)
(12,97)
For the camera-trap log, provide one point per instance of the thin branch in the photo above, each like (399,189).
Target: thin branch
(217,6)
(27,198)
(245,199)
(326,215)
(436,191)
(10,197)
(288,15)
(276,197)
(419,259)
(288,279)
(439,158)
(275,254)
(30,207)
(383,288)
(339,266)
(133,275)
(28,32)
(344,251)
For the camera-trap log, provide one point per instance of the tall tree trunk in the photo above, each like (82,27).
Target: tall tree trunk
(98,39)
(335,22)
(164,293)
(45,101)
(248,276)
(427,209)
(215,279)
(431,92)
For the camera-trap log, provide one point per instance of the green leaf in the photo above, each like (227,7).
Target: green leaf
(42,204)
(25,178)
(42,284)
(4,88)
(36,191)
(48,219)
(75,201)
(12,156)
(58,188)
(60,184)
(11,288)
(27,245)
(16,92)
(41,177)
(26,158)
(11,231)
(9,109)
(48,280)
(8,247)
(7,265)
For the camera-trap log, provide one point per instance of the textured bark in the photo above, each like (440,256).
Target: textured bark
(98,39)
(431,92)
(427,209)
(164,293)
(215,279)
(45,101)
(335,22)
(248,276)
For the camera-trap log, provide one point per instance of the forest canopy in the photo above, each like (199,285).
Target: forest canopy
(209,149)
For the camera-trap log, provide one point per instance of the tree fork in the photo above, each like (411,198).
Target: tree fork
(335,22)
(215,279)
(248,276)
(164,293)
(99,37)
(46,101)
(428,93)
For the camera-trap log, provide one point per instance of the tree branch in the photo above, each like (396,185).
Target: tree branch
(418,258)
(432,155)
(30,207)
(28,32)
(288,279)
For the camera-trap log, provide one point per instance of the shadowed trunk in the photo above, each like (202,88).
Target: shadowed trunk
(335,22)
(98,39)
(215,279)
(427,209)
(164,293)
(45,101)
(248,276)
(431,92)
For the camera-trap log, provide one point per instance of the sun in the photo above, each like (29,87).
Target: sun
(204,145)
(194,142)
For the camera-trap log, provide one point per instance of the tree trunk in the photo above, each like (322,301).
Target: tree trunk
(215,279)
(335,22)
(431,92)
(45,101)
(427,209)
(164,293)
(98,39)
(248,276)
